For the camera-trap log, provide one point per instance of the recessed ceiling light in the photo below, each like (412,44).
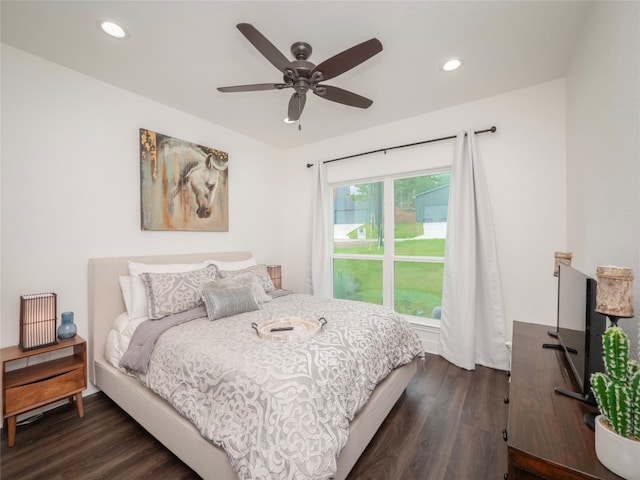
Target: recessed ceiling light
(113,29)
(286,120)
(451,65)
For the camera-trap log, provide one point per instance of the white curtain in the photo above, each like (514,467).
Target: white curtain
(472,329)
(321,235)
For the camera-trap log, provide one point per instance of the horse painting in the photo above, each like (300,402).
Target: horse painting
(183,185)
(201,178)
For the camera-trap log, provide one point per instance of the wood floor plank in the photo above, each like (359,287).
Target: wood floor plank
(446,425)
(393,446)
(436,442)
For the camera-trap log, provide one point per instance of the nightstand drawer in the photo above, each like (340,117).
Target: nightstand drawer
(43,391)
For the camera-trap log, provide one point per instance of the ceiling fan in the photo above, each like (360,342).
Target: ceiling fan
(302,75)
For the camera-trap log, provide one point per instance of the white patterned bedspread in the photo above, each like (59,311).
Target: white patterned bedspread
(280,410)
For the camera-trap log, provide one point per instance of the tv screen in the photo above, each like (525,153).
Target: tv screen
(580,329)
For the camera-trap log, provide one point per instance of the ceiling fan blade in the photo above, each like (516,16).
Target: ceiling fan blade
(354,56)
(264,46)
(339,95)
(296,105)
(254,88)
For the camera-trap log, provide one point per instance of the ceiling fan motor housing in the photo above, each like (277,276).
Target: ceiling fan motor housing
(300,69)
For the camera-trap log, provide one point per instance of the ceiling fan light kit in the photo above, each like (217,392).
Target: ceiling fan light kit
(301,75)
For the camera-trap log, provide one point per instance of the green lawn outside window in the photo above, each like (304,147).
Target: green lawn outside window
(418,285)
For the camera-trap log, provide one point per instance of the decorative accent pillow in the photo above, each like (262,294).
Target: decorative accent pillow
(259,270)
(170,293)
(249,279)
(225,302)
(138,305)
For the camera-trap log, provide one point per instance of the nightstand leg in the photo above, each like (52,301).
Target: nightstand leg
(80,404)
(11,430)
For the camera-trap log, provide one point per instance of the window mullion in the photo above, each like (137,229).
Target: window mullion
(389,244)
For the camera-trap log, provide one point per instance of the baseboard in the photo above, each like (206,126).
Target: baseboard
(429,336)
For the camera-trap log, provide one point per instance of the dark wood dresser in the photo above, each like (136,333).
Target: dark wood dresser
(546,435)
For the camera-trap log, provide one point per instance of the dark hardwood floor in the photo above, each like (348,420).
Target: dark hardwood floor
(447,425)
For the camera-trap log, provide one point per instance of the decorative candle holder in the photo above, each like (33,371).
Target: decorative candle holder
(614,293)
(563,258)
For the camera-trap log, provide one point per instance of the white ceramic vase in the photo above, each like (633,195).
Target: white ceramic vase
(619,454)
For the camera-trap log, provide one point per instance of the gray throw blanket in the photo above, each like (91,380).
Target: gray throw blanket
(137,356)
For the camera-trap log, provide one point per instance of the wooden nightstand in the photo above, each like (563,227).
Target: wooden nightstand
(36,385)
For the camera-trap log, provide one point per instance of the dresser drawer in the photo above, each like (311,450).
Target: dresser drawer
(31,395)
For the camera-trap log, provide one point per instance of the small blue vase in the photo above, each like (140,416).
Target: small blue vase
(67,328)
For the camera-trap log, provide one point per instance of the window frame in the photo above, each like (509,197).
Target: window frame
(388,258)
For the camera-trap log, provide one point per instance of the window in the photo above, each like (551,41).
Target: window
(405,274)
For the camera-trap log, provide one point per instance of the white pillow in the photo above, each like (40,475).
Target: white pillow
(134,294)
(125,288)
(237,265)
(136,269)
(139,301)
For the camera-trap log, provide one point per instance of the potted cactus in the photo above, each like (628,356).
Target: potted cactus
(617,393)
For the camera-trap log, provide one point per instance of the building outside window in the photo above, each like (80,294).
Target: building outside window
(406,272)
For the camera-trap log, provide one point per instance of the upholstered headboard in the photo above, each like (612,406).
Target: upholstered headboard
(105,297)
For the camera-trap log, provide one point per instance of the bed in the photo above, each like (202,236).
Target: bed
(158,417)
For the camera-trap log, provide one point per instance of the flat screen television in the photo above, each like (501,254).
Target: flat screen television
(579,329)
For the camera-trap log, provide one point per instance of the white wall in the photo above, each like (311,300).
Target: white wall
(525,169)
(70,175)
(603,144)
(71,184)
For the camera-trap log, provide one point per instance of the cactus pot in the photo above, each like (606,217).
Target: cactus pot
(618,454)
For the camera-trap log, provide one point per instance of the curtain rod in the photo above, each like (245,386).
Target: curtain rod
(487,130)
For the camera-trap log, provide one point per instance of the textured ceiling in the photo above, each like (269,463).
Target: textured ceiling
(178,52)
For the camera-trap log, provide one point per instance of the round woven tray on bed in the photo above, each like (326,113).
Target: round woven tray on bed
(289,329)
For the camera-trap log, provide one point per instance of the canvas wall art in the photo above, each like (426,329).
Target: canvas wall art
(183,186)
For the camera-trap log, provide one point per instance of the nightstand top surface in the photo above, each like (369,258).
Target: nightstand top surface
(14,353)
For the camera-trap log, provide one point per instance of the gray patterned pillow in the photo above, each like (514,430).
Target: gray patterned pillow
(260,270)
(250,279)
(225,302)
(175,292)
